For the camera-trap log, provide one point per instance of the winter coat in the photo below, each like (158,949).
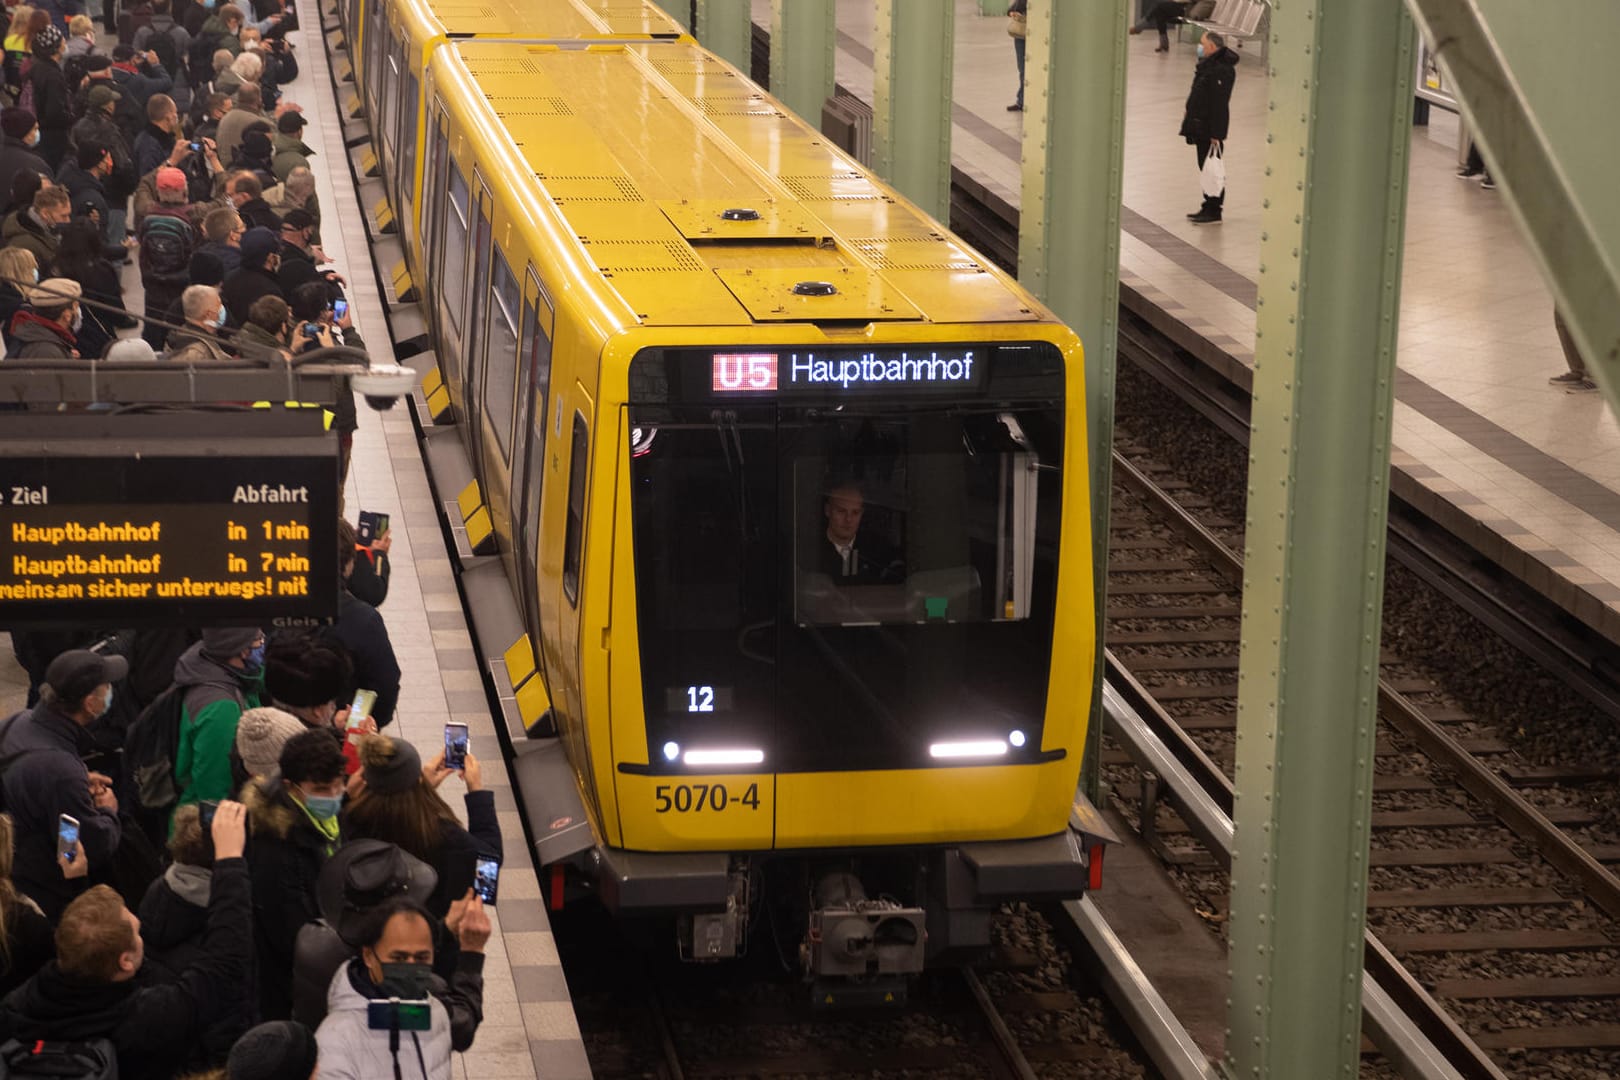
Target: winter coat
(369,581)
(174,922)
(163,24)
(226,40)
(11,300)
(138,88)
(230,257)
(215,700)
(256,213)
(151,1027)
(33,337)
(257,343)
(51,106)
(319,954)
(16,156)
(194,345)
(28,933)
(1207,114)
(290,153)
(233,126)
(97,126)
(242,287)
(102,284)
(286,855)
(152,149)
(78,46)
(360,630)
(27,231)
(87,192)
(350,1050)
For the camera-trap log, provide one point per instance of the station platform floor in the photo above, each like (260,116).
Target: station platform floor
(1483,444)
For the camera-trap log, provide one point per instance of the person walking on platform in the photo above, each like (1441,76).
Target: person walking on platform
(1162,16)
(1577,380)
(1018,20)
(1208,113)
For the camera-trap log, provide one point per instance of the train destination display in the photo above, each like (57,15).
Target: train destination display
(188,540)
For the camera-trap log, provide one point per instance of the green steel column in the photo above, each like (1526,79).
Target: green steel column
(1068,237)
(1331,227)
(726,27)
(911,100)
(803,36)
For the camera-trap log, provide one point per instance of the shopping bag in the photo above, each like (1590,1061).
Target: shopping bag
(1213,177)
(1017,25)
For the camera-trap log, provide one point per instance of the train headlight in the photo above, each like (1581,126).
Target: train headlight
(1016,738)
(672,751)
(731,756)
(969,748)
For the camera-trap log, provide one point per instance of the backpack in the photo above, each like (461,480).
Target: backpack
(162,43)
(166,247)
(150,749)
(92,1059)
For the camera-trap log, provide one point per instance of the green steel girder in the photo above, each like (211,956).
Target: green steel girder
(911,100)
(1332,226)
(726,27)
(1539,86)
(1068,239)
(804,35)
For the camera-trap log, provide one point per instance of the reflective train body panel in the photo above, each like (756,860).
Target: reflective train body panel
(789,483)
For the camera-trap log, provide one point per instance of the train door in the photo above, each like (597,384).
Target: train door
(499,336)
(566,675)
(529,463)
(431,226)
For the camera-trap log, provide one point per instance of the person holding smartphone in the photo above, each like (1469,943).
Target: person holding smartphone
(46,777)
(312,296)
(399,803)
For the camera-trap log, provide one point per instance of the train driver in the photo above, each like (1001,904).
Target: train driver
(847,555)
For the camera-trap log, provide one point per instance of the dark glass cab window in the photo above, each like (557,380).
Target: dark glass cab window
(845,576)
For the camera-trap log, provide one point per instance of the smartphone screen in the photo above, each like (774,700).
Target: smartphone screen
(205,813)
(455,746)
(486,879)
(361,706)
(67,837)
(340,308)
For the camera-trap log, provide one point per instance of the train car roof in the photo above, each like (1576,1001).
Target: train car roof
(700,199)
(551,19)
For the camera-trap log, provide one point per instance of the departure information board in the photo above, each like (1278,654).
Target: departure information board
(138,540)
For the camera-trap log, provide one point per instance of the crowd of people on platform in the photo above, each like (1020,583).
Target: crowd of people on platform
(176,150)
(211,865)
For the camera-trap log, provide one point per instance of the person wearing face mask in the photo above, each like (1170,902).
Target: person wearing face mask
(1207,114)
(17,269)
(204,320)
(52,96)
(80,258)
(256,277)
(45,329)
(293,819)
(20,151)
(47,778)
(395,961)
(38,227)
(224,677)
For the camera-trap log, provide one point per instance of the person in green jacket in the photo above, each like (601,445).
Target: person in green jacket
(224,677)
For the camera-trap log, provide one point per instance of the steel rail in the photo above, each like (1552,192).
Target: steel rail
(1000,1033)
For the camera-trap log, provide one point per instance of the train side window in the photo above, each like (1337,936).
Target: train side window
(475,297)
(575,534)
(408,119)
(455,243)
(432,187)
(532,400)
(374,53)
(390,96)
(501,353)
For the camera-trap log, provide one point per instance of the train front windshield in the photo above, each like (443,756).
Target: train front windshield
(846,560)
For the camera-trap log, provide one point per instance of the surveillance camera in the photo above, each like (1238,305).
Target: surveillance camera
(385,381)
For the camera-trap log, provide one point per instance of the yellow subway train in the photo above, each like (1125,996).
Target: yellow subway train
(783,489)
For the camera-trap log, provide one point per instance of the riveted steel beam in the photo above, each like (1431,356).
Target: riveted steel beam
(911,100)
(725,27)
(803,37)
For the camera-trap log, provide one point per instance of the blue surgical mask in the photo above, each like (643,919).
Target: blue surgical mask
(322,807)
(219,321)
(255,657)
(1200,50)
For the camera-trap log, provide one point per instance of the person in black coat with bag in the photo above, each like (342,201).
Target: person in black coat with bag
(52,95)
(1208,113)
(79,258)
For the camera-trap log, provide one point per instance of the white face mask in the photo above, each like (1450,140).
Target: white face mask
(78,319)
(33,138)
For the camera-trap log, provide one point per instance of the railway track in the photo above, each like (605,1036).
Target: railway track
(1491,885)
(1020,1015)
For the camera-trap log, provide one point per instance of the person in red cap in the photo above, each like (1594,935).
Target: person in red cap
(168,237)
(46,777)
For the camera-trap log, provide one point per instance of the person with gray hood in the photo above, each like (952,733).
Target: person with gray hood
(174,923)
(224,677)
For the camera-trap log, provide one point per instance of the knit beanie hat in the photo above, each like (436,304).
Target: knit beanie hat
(224,642)
(260,735)
(17,122)
(47,41)
(278,1050)
(390,765)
